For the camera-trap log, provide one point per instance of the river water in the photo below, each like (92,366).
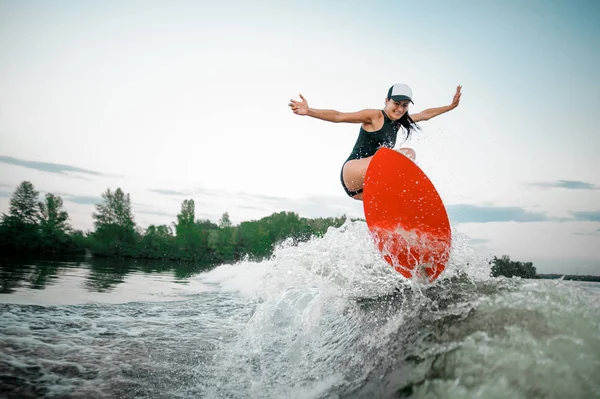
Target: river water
(324,319)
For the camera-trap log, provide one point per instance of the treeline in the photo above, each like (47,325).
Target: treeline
(503,266)
(38,227)
(574,277)
(34,227)
(41,227)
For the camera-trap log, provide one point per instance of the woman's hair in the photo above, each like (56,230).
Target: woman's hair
(407,123)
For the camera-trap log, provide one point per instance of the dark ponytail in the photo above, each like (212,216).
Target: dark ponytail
(407,123)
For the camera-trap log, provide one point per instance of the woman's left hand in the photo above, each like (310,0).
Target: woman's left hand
(456,98)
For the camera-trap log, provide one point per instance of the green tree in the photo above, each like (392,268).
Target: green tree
(208,233)
(253,239)
(192,243)
(53,224)
(24,205)
(115,232)
(286,224)
(19,230)
(79,241)
(186,218)
(115,210)
(52,217)
(225,222)
(157,242)
(503,266)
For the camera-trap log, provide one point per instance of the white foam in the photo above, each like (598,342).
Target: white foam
(344,259)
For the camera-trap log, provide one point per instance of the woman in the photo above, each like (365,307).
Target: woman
(379,128)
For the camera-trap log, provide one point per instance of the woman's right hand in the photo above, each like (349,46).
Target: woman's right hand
(299,107)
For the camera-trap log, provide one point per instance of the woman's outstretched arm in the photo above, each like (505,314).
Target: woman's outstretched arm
(433,112)
(366,116)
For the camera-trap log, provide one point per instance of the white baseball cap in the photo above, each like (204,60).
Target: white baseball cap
(399,92)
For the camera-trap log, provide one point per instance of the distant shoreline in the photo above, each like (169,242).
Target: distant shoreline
(573,277)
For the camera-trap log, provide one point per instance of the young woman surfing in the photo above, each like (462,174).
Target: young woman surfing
(379,128)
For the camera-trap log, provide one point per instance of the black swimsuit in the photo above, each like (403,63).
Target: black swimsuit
(368,143)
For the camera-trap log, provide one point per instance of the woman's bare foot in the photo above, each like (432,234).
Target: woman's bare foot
(408,152)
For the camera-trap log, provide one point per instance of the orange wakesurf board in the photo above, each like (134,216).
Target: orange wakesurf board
(406,216)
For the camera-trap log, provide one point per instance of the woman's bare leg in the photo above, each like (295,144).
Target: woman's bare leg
(354,174)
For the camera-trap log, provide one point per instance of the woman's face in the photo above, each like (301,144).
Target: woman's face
(396,109)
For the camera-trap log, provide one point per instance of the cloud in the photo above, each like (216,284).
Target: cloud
(82,200)
(465,213)
(48,167)
(567,184)
(77,199)
(588,216)
(168,192)
(251,208)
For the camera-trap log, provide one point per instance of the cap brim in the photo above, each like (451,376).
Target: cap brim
(401,98)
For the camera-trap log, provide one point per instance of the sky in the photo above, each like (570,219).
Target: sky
(188,100)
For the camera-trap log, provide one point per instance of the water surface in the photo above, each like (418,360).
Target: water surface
(325,319)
